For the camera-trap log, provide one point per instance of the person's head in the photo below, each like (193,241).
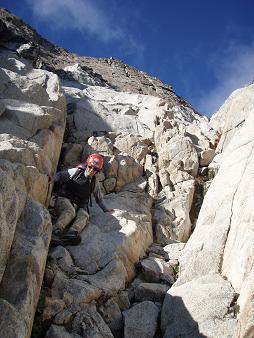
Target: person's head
(94,164)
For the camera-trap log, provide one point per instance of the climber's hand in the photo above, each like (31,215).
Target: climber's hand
(50,179)
(111,210)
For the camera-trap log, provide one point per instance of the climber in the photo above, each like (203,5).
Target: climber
(75,192)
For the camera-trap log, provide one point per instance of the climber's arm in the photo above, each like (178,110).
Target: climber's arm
(63,175)
(99,197)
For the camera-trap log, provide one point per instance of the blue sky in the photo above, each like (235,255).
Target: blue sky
(203,48)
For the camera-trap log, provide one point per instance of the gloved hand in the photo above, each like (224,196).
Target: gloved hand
(111,210)
(50,178)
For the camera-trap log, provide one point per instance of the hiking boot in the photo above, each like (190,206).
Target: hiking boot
(71,238)
(70,234)
(55,242)
(56,232)
(67,239)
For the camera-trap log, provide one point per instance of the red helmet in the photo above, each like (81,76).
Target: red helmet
(95,160)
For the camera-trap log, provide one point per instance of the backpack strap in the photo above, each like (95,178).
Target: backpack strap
(78,174)
(92,186)
(91,189)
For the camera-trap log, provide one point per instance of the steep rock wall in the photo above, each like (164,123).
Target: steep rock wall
(222,242)
(32,123)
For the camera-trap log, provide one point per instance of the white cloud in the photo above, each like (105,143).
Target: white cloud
(233,70)
(83,15)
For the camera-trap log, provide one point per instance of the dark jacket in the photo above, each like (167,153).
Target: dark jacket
(73,190)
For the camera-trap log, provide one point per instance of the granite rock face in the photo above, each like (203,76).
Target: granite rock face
(182,315)
(32,124)
(222,240)
(160,158)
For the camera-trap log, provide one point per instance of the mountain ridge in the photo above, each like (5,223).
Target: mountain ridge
(113,72)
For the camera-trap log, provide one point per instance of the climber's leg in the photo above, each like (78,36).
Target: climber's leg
(80,222)
(65,214)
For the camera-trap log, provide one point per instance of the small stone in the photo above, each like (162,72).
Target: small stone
(52,307)
(63,317)
(154,292)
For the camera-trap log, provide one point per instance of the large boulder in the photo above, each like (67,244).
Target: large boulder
(13,198)
(188,312)
(120,170)
(133,145)
(156,270)
(22,279)
(146,313)
(178,153)
(123,236)
(171,216)
(38,86)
